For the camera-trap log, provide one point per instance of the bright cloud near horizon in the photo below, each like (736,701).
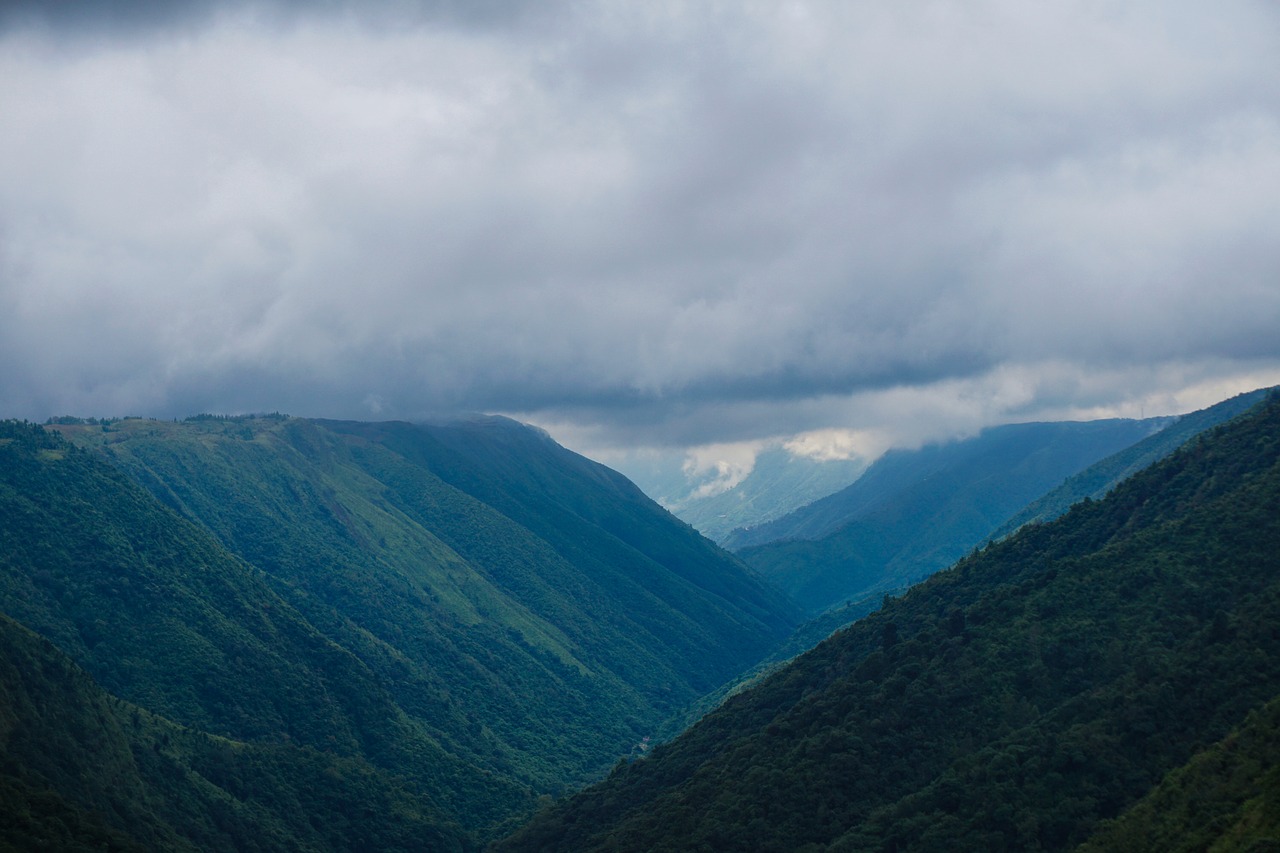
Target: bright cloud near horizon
(641,224)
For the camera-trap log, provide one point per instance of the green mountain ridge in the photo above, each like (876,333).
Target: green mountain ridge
(469,609)
(1100,478)
(1013,702)
(915,512)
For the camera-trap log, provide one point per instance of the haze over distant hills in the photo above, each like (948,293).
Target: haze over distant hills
(916,511)
(1100,478)
(717,499)
(1009,464)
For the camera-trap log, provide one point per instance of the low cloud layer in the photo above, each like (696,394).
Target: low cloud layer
(639,224)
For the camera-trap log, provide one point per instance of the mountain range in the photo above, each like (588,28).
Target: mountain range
(917,511)
(1079,682)
(276,633)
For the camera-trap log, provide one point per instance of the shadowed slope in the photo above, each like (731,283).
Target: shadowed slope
(1010,703)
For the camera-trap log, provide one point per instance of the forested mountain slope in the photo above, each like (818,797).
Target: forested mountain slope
(1012,702)
(1225,799)
(915,512)
(83,770)
(470,608)
(161,615)
(600,522)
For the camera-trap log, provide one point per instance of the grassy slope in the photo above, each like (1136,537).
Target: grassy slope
(161,615)
(609,531)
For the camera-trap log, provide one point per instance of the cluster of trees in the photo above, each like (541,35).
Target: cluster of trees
(84,770)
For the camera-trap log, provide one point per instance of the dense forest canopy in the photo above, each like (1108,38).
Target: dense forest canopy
(1014,702)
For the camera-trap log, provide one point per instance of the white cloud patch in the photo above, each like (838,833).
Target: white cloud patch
(830,445)
(717,468)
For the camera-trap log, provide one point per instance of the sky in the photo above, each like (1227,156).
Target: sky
(842,225)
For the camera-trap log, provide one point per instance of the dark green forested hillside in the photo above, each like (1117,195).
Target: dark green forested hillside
(282,581)
(1011,703)
(161,615)
(915,512)
(1226,799)
(83,770)
(1094,482)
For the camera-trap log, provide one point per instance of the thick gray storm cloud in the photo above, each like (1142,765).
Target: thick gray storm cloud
(640,223)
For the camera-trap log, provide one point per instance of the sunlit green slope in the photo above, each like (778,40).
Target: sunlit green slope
(162,616)
(531,612)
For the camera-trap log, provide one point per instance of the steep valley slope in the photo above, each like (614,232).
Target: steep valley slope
(468,614)
(1017,701)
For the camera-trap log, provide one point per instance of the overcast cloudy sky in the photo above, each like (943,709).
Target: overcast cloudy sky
(642,223)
